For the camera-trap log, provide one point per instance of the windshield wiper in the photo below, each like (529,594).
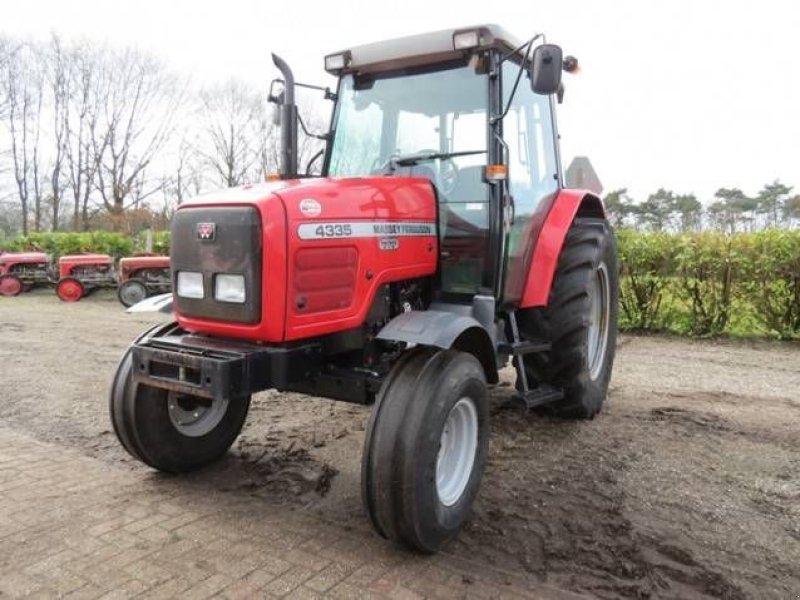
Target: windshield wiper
(408,160)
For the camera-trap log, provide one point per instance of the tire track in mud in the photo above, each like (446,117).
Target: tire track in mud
(553,505)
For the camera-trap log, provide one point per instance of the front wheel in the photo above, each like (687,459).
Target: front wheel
(131,292)
(425,448)
(70,289)
(11,285)
(580,321)
(172,432)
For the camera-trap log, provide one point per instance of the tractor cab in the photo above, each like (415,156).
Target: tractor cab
(457,108)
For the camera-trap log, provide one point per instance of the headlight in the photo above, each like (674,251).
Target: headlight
(229,288)
(337,62)
(464,40)
(190,284)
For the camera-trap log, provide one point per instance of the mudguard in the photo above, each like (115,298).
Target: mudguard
(467,328)
(567,205)
(428,328)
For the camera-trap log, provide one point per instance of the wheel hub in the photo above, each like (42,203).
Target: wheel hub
(599,315)
(10,286)
(457,449)
(70,291)
(193,416)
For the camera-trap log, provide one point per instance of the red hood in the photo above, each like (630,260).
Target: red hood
(144,261)
(23,257)
(84,259)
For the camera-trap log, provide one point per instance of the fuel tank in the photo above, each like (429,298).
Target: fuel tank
(312,253)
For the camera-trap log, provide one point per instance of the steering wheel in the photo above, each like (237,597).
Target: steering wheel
(446,176)
(447,173)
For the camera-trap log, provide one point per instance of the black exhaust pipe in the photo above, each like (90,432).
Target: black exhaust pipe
(288,113)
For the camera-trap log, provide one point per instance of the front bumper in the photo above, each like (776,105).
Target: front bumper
(218,368)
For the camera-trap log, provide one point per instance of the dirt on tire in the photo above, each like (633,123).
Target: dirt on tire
(686,485)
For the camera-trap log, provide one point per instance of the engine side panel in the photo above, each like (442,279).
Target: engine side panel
(548,246)
(70,264)
(348,237)
(20,261)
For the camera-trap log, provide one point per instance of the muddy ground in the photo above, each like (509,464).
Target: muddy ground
(687,485)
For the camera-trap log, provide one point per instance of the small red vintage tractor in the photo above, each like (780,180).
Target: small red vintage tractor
(81,274)
(19,271)
(143,276)
(438,243)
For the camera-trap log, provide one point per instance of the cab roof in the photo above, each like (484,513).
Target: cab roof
(421,49)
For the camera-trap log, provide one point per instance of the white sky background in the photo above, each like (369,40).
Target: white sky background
(691,96)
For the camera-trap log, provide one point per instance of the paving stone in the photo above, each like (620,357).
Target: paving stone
(81,529)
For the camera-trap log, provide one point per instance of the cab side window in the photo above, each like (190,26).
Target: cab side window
(532,171)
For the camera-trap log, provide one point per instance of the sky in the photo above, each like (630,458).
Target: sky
(687,95)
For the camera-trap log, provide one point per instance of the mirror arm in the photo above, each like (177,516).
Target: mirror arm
(529,43)
(320,136)
(328,94)
(312,160)
(502,116)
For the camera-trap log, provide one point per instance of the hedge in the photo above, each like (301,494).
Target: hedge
(699,284)
(710,283)
(58,244)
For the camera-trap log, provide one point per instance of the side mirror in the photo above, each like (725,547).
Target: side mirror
(545,69)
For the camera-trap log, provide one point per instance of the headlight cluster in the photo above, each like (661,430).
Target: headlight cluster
(227,287)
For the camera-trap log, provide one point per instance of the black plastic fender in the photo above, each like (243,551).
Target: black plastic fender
(448,326)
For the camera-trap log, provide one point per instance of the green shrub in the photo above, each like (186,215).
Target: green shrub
(59,244)
(645,265)
(709,283)
(772,280)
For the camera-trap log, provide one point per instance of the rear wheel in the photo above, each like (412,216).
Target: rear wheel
(132,292)
(11,285)
(580,321)
(425,448)
(172,432)
(69,289)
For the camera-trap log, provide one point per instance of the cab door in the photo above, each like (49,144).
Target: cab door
(533,176)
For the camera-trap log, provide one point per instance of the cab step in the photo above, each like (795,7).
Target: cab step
(531,393)
(523,347)
(539,396)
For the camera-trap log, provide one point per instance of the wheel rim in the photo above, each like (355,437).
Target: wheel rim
(132,293)
(10,286)
(599,315)
(193,416)
(70,291)
(457,449)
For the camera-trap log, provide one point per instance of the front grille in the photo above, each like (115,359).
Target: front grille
(234,247)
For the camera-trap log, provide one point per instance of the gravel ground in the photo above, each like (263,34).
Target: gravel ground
(687,485)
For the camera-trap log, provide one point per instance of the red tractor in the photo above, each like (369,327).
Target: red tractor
(19,271)
(143,276)
(438,244)
(81,274)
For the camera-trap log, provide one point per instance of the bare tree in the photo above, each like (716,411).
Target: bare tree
(228,144)
(58,81)
(81,114)
(139,99)
(23,90)
(6,52)
(187,177)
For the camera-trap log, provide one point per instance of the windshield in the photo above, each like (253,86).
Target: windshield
(429,124)
(439,111)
